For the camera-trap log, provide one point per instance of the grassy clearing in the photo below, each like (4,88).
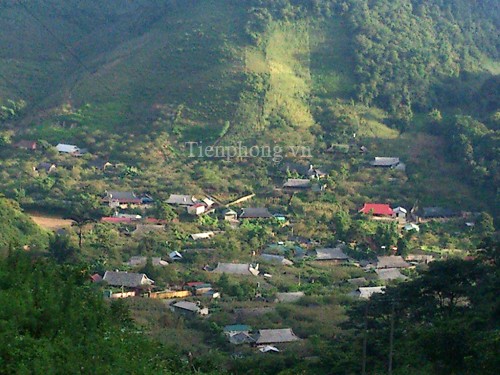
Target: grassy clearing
(70,126)
(287,56)
(255,61)
(372,124)
(277,99)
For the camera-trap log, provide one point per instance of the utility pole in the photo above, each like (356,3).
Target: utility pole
(391,338)
(365,339)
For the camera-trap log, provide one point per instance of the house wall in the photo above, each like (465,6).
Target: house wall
(184,312)
(195,210)
(122,295)
(399,215)
(201,291)
(170,294)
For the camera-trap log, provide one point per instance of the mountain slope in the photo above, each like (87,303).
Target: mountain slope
(129,59)
(135,82)
(126,60)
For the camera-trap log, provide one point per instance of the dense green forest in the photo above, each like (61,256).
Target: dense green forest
(52,321)
(17,230)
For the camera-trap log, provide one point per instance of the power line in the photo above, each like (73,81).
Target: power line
(63,44)
(391,339)
(365,341)
(13,85)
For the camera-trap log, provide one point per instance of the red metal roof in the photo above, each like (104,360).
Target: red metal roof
(377,209)
(96,278)
(195,283)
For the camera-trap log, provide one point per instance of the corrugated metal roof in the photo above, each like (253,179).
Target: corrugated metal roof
(381,161)
(202,236)
(61,147)
(272,336)
(126,279)
(233,268)
(330,254)
(255,213)
(377,209)
(297,183)
(189,306)
(392,261)
(183,200)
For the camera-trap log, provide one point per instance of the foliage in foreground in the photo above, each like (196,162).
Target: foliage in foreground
(53,322)
(17,229)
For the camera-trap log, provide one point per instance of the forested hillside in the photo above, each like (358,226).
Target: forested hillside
(145,78)
(376,130)
(18,230)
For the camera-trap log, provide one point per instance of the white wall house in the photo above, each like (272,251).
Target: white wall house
(67,149)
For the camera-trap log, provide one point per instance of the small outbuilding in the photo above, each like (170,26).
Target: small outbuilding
(399,213)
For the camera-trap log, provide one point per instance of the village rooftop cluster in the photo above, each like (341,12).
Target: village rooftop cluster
(195,299)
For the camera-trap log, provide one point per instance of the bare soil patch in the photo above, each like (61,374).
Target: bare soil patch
(49,222)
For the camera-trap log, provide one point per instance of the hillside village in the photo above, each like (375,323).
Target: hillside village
(249,187)
(238,264)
